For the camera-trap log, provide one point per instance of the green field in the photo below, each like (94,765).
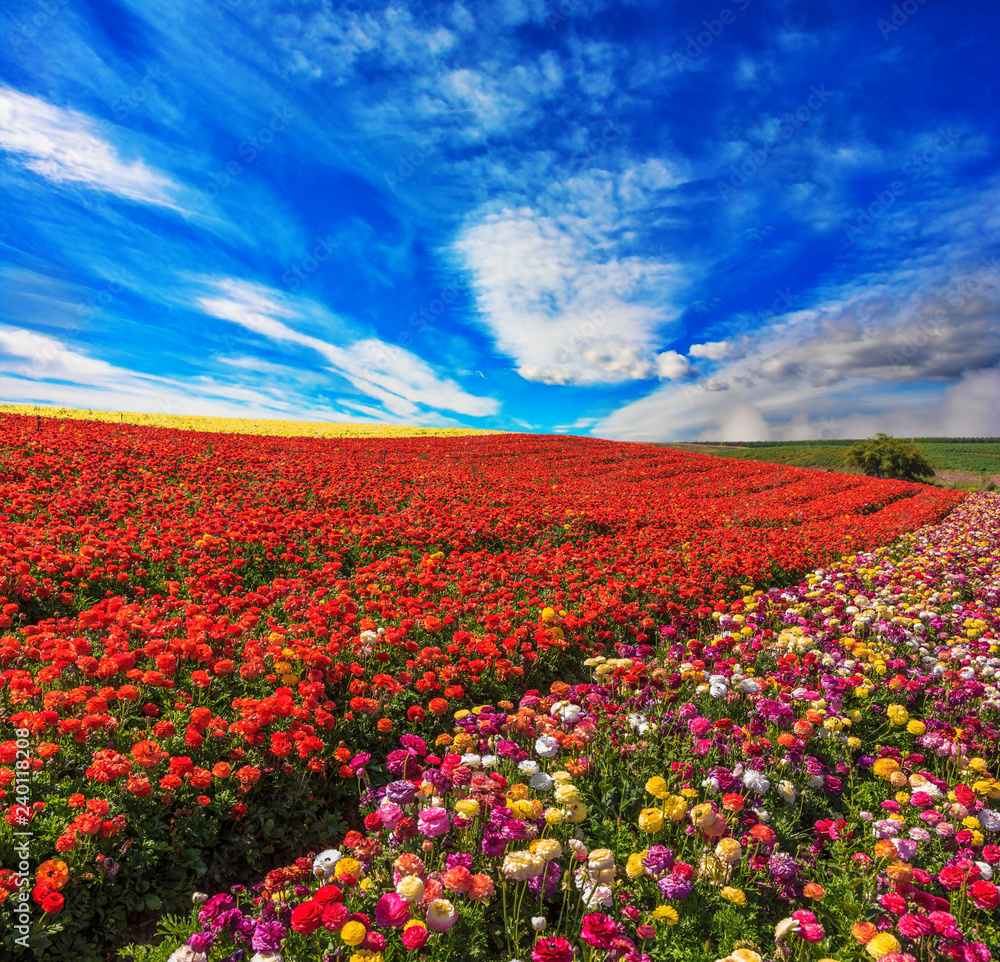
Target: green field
(974,455)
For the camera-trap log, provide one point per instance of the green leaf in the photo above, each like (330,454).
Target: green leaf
(153,902)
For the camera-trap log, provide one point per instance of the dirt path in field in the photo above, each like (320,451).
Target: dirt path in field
(966,477)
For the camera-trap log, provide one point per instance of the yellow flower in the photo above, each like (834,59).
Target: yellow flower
(365,955)
(347,866)
(702,815)
(884,767)
(633,867)
(517,792)
(689,793)
(666,913)
(548,848)
(554,816)
(729,851)
(657,787)
(898,715)
(882,944)
(970,822)
(467,807)
(410,888)
(675,807)
(651,820)
(353,933)
(734,895)
(567,794)
(915,727)
(576,812)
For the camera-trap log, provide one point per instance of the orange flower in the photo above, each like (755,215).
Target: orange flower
(458,879)
(147,753)
(864,932)
(480,887)
(221,770)
(813,891)
(200,778)
(53,873)
(884,848)
(438,706)
(384,725)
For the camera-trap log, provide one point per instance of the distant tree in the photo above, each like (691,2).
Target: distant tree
(884,456)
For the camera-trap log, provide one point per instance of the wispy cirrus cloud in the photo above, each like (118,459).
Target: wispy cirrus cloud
(401,381)
(66,147)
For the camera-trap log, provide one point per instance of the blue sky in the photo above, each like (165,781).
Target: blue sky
(646,221)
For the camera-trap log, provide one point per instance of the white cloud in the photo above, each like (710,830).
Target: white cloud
(397,378)
(67,147)
(561,302)
(671,366)
(712,350)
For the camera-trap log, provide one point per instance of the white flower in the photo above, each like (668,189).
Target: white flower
(264,957)
(528,766)
(639,723)
(990,820)
(815,781)
(749,686)
(546,746)
(541,782)
(784,928)
(985,869)
(471,760)
(325,862)
(755,782)
(718,690)
(597,897)
(538,923)
(186,954)
(786,790)
(490,761)
(369,637)
(567,711)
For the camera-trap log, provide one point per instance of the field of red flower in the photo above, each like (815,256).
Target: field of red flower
(204,634)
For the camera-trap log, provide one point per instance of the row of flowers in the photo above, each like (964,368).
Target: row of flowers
(813,778)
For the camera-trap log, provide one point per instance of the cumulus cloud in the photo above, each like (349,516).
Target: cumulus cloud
(564,307)
(839,370)
(65,146)
(935,344)
(671,366)
(712,350)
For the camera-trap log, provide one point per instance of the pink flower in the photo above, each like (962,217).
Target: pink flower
(915,926)
(984,895)
(555,949)
(433,822)
(441,915)
(598,930)
(391,911)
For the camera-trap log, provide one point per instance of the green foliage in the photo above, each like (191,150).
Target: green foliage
(884,456)
(973,455)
